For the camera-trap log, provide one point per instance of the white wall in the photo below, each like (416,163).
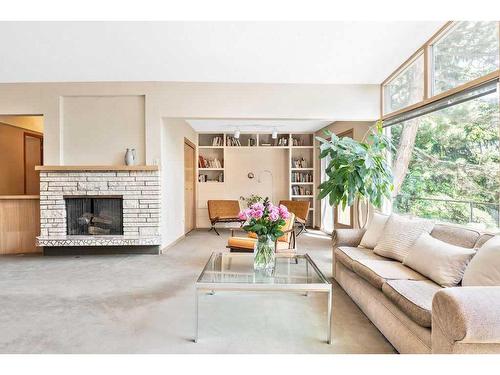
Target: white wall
(238,163)
(172,177)
(97,130)
(184,100)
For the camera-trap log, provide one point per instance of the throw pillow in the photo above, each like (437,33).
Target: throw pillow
(374,231)
(484,268)
(399,235)
(440,261)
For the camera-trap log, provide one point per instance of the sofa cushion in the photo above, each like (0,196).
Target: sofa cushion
(485,237)
(374,230)
(377,272)
(413,297)
(455,235)
(348,254)
(399,234)
(484,268)
(440,261)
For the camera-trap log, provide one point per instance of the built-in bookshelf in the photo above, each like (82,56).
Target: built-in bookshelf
(301,160)
(211,158)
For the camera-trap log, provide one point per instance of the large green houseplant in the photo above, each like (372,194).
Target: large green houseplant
(356,170)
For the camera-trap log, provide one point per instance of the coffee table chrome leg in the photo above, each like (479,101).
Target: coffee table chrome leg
(196,317)
(329,336)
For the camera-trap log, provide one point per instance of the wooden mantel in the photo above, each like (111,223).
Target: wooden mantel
(63,168)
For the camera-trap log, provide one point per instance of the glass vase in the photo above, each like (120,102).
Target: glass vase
(264,254)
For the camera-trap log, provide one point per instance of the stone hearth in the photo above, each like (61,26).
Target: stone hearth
(138,186)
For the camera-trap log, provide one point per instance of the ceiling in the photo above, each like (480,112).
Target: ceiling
(257,52)
(261,126)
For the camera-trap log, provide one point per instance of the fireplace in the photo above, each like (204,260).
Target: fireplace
(99,210)
(94,215)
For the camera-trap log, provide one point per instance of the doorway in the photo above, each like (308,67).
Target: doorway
(189,186)
(21,149)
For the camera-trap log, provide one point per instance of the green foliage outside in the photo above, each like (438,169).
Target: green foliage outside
(454,168)
(456,157)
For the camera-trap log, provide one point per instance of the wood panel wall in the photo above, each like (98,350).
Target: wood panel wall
(19,224)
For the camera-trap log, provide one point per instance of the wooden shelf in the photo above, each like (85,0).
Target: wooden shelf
(302,169)
(302,183)
(63,168)
(210,169)
(18,197)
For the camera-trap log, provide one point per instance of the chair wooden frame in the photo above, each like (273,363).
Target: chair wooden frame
(299,221)
(291,244)
(214,218)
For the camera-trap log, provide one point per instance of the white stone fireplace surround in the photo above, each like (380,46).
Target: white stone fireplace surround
(138,186)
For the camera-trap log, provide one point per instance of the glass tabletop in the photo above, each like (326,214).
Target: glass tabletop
(237,268)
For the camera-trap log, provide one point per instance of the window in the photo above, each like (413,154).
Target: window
(467,51)
(406,88)
(446,163)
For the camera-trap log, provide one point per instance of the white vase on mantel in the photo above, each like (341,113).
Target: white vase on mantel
(130,156)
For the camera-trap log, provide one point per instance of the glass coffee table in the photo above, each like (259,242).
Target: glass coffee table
(234,272)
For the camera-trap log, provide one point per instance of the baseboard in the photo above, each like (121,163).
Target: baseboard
(172,244)
(99,250)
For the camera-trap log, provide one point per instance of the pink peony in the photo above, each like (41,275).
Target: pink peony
(257,206)
(243,215)
(283,211)
(257,214)
(274,215)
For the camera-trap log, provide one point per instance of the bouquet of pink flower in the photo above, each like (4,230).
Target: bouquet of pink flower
(265,219)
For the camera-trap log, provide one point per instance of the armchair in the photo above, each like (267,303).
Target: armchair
(285,244)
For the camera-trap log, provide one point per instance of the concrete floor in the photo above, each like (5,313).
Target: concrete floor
(145,304)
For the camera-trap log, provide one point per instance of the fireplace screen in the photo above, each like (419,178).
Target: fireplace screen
(94,215)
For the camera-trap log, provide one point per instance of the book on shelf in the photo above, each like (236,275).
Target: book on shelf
(300,142)
(209,163)
(300,190)
(205,178)
(232,141)
(302,177)
(217,141)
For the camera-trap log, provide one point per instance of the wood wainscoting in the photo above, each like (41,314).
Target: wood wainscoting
(19,224)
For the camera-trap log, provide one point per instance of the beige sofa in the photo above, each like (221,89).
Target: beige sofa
(413,313)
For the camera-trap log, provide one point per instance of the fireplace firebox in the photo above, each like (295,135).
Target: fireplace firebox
(94,215)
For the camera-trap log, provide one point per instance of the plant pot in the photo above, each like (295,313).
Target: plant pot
(264,254)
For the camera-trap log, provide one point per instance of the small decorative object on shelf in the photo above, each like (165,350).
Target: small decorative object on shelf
(265,220)
(299,163)
(130,156)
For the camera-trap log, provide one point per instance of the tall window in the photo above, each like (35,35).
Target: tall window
(467,51)
(406,88)
(447,163)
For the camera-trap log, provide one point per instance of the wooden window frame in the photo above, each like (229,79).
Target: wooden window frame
(428,97)
(420,52)
(33,135)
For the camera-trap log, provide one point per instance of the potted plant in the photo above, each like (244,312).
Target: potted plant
(356,170)
(265,220)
